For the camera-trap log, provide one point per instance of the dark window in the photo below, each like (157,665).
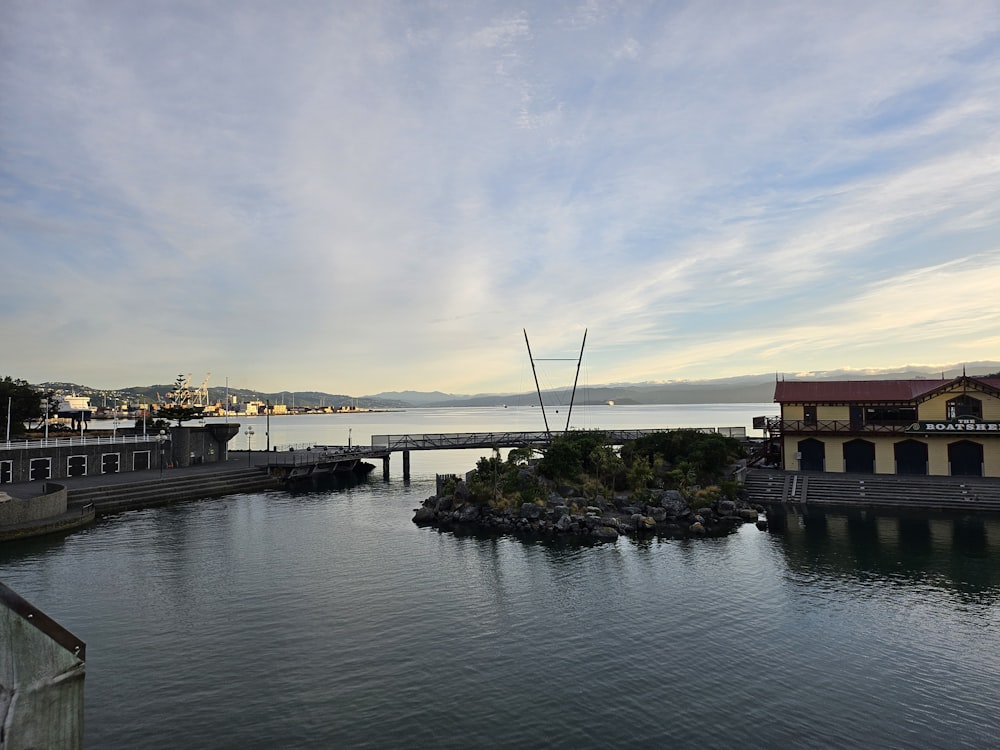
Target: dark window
(809,414)
(6,468)
(890,415)
(965,406)
(76,466)
(109,463)
(40,468)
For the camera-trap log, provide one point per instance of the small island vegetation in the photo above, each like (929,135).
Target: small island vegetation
(674,483)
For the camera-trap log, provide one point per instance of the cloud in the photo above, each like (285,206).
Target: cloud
(382,197)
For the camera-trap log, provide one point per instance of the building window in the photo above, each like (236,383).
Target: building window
(965,406)
(890,415)
(6,472)
(809,414)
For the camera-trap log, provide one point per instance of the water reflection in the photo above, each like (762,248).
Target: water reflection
(956,553)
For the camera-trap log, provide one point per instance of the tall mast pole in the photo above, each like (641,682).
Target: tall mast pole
(573,396)
(537,387)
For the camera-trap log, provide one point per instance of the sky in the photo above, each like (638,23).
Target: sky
(366,197)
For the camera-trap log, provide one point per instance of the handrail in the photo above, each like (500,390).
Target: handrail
(76,440)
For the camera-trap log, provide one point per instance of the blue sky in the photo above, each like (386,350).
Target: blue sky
(361,197)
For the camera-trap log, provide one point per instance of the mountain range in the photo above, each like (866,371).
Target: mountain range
(741,389)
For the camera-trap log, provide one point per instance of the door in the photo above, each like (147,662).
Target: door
(859,457)
(812,455)
(966,459)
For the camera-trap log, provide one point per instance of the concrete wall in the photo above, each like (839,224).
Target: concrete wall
(20,510)
(187,445)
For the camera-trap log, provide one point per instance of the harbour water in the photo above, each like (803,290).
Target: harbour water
(327,619)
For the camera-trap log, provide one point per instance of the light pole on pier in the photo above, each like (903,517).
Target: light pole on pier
(160,440)
(249,434)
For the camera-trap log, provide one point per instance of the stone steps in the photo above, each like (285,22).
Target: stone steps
(153,491)
(917,493)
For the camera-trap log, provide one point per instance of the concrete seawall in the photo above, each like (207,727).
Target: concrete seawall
(43,508)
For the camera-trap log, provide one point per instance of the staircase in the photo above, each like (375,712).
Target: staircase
(961,494)
(113,498)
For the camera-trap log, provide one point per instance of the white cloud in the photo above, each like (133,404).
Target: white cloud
(715,188)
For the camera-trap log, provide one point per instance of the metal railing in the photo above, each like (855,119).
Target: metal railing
(76,440)
(835,426)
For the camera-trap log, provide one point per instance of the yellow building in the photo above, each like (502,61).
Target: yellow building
(934,427)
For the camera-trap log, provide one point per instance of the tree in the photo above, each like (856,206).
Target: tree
(180,406)
(27,404)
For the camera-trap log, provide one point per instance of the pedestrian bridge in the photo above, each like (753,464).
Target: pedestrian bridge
(335,457)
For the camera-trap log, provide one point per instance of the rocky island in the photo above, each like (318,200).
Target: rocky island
(673,484)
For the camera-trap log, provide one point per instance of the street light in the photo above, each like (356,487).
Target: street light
(160,440)
(249,434)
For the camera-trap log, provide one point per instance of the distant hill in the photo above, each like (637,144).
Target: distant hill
(744,389)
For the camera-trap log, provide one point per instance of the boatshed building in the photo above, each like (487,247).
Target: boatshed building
(932,427)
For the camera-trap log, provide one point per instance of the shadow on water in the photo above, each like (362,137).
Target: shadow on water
(960,553)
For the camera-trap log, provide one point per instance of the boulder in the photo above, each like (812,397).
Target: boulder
(530,511)
(445,502)
(645,524)
(674,503)
(560,511)
(423,515)
(468,513)
(565,523)
(605,533)
(726,507)
(657,514)
(566,490)
(697,528)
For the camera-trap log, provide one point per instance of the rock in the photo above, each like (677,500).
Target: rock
(565,523)
(697,528)
(423,515)
(630,510)
(468,513)
(674,503)
(566,490)
(635,521)
(594,510)
(605,533)
(445,502)
(747,514)
(657,514)
(726,507)
(645,524)
(560,511)
(530,511)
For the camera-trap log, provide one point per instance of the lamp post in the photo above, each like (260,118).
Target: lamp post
(249,434)
(160,440)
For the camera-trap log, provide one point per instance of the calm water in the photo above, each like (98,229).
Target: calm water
(327,619)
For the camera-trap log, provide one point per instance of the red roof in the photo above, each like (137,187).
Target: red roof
(841,391)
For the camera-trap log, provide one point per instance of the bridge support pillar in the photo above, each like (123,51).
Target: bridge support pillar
(406,464)
(385,467)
